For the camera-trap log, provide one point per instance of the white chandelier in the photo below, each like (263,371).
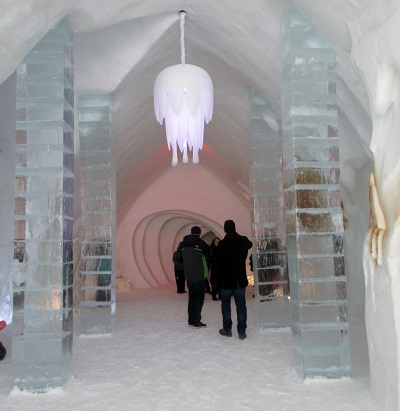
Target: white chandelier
(183,95)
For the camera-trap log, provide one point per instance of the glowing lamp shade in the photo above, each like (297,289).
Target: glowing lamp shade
(184,97)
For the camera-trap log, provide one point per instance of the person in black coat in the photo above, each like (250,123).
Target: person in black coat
(214,268)
(195,252)
(179,274)
(232,278)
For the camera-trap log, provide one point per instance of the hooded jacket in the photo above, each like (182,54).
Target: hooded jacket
(194,253)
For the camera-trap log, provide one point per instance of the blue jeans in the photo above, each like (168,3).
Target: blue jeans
(196,301)
(239,294)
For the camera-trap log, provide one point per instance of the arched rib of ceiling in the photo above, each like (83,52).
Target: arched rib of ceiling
(183,196)
(157,236)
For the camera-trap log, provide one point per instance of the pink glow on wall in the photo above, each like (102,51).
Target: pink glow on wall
(184,196)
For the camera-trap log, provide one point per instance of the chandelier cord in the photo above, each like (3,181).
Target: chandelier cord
(182,24)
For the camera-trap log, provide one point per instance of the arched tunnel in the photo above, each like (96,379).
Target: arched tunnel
(119,49)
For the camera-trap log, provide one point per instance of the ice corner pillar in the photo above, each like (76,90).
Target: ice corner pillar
(43,216)
(314,219)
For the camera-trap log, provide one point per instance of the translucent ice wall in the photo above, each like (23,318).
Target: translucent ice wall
(268,225)
(313,206)
(7,163)
(98,298)
(42,329)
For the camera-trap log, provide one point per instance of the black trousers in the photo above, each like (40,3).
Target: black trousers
(180,281)
(196,301)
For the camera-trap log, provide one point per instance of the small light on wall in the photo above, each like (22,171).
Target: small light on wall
(184,96)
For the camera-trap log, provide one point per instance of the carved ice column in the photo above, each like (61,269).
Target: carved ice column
(313,206)
(7,182)
(42,329)
(268,225)
(98,202)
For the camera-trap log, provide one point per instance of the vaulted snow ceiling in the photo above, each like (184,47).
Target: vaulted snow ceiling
(121,46)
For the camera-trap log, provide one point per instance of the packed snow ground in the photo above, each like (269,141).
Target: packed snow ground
(154,361)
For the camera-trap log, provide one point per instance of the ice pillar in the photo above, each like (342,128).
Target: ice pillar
(43,214)
(98,203)
(268,225)
(313,206)
(7,155)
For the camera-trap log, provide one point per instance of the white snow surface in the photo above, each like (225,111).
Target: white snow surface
(154,361)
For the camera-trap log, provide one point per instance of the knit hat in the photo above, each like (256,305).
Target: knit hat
(195,230)
(229,226)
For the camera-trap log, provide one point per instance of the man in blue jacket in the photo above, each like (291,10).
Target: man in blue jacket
(194,253)
(232,278)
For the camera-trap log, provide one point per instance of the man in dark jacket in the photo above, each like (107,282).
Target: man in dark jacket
(194,254)
(232,278)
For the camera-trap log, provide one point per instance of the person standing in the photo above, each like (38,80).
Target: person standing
(207,288)
(195,251)
(232,278)
(179,274)
(214,268)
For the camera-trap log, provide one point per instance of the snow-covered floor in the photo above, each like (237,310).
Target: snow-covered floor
(154,361)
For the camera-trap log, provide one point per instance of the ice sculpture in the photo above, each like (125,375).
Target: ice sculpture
(43,219)
(377,224)
(381,259)
(314,218)
(268,225)
(98,222)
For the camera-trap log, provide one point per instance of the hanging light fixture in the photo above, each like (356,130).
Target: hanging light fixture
(183,95)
